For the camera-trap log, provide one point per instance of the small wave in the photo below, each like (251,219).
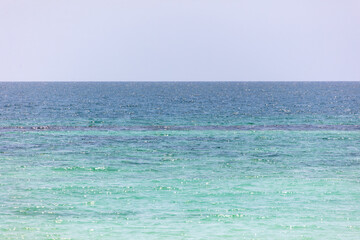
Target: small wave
(90,169)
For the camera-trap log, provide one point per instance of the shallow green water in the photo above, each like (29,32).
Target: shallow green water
(180,185)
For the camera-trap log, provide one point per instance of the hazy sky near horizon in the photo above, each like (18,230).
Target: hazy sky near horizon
(175,40)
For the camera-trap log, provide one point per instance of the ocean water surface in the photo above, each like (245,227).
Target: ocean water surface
(180,160)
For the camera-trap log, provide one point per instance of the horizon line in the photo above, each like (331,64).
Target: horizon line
(169,81)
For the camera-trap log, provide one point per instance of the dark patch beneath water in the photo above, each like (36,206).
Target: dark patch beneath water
(186,128)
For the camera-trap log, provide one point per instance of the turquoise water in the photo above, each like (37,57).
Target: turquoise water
(180,161)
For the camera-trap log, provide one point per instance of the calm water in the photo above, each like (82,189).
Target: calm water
(179,160)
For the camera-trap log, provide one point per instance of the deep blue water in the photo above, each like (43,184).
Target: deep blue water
(180,104)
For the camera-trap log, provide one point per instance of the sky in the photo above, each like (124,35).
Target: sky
(180,40)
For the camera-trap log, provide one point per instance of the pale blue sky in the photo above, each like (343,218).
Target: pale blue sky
(168,40)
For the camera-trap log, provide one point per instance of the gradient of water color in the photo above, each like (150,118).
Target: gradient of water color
(179,160)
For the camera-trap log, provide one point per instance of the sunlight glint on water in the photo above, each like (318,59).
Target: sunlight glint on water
(179,161)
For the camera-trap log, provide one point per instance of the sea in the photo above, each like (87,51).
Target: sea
(180,160)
